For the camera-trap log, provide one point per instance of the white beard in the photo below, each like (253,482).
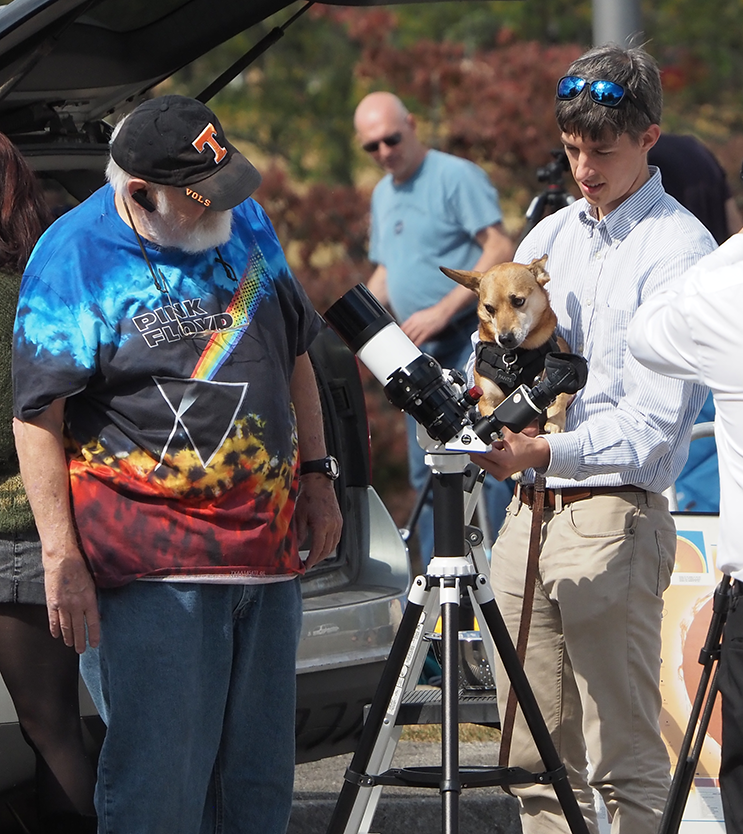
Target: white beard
(167,229)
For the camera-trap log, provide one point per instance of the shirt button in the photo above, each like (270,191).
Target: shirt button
(589,302)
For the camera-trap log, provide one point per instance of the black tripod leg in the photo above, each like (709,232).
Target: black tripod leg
(450,779)
(525,697)
(391,684)
(704,702)
(553,197)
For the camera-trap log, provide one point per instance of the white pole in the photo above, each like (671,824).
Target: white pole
(616,21)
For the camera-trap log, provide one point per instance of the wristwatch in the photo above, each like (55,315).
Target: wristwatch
(327,466)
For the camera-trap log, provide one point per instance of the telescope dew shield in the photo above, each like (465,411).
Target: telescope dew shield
(371,333)
(413,381)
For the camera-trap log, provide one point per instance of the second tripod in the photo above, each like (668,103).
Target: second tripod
(555,195)
(701,712)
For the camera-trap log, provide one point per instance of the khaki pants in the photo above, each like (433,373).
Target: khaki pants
(593,657)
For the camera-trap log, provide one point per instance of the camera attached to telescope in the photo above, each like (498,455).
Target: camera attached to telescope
(415,382)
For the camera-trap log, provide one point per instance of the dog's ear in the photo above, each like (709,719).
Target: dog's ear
(471,280)
(536,267)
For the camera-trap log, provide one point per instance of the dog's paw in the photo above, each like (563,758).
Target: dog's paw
(556,415)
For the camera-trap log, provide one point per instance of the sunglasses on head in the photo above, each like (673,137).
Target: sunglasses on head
(391,140)
(605,93)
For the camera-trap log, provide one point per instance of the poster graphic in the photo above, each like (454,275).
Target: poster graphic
(687,613)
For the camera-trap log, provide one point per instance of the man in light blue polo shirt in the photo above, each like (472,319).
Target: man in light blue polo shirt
(432,209)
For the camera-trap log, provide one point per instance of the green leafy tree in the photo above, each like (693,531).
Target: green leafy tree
(477,25)
(293,102)
(698,46)
(480,77)
(296,101)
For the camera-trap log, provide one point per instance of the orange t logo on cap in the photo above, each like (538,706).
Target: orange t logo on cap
(207,138)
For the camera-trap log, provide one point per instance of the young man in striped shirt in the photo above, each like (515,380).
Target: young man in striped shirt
(608,539)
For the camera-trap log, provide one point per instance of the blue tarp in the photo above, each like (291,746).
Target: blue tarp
(698,485)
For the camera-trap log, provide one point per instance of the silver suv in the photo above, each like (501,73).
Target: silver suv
(66,68)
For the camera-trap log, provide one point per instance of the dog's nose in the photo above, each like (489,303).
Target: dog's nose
(507,340)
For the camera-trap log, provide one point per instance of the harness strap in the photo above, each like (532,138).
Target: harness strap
(510,368)
(527,606)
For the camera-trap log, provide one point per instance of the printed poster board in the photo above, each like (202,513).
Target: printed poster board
(687,612)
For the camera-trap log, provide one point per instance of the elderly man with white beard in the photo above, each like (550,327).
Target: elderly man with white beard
(170,437)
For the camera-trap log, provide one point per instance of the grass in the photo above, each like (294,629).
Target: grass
(432,732)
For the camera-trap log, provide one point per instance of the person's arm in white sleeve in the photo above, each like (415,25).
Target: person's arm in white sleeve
(659,337)
(668,331)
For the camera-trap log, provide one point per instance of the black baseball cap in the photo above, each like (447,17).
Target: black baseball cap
(178,141)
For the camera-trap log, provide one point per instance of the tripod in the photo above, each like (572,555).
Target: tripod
(420,499)
(452,572)
(554,196)
(701,712)
(440,405)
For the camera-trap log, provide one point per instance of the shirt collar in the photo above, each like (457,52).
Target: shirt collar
(620,222)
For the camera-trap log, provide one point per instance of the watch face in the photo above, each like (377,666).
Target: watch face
(327,466)
(333,469)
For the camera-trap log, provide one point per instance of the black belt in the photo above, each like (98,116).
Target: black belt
(525,493)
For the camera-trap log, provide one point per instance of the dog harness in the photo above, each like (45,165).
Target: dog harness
(509,368)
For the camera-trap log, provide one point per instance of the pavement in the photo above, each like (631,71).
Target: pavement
(402,809)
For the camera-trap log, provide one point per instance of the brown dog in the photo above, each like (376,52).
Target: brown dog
(517,327)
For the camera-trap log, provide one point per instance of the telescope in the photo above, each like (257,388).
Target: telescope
(449,429)
(438,400)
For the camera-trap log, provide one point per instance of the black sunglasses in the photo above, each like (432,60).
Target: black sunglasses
(605,93)
(391,140)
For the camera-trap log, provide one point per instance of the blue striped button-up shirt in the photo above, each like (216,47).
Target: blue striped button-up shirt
(628,425)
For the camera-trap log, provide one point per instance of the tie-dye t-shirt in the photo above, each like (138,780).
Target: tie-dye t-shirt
(180,434)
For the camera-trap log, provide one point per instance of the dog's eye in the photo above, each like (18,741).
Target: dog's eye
(517,301)
(489,309)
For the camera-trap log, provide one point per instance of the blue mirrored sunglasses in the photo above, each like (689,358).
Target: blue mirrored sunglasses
(606,93)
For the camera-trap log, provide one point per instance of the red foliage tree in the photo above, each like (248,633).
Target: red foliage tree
(323,230)
(494,107)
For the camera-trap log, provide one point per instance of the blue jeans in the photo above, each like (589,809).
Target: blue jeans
(451,350)
(196,684)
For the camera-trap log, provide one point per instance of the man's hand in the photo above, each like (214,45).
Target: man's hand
(317,513)
(71,601)
(70,593)
(514,453)
(424,325)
